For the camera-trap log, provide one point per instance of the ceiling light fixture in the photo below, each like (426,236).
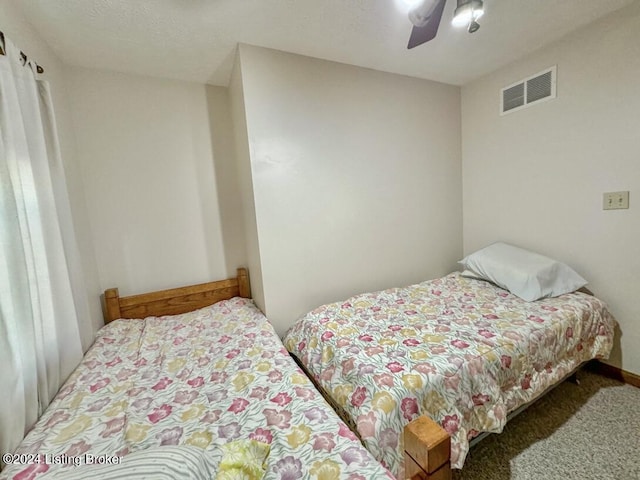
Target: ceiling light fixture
(467,13)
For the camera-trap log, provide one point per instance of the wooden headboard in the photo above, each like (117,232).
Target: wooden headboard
(175,300)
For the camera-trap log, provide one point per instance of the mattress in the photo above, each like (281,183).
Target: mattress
(201,380)
(463,351)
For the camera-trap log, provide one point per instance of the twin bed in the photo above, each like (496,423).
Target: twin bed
(416,372)
(215,383)
(446,358)
(422,371)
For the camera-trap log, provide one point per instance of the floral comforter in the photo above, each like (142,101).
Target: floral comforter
(202,379)
(460,350)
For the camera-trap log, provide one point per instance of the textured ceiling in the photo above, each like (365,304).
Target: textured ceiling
(195,40)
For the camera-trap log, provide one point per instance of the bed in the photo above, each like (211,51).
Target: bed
(207,391)
(420,371)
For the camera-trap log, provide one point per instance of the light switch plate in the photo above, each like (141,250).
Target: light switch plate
(615,200)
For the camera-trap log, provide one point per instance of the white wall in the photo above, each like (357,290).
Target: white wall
(19,31)
(227,180)
(356,177)
(536,177)
(145,146)
(241,143)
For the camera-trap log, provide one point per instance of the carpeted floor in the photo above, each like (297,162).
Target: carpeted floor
(589,431)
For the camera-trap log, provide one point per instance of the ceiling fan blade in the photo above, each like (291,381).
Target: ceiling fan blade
(420,35)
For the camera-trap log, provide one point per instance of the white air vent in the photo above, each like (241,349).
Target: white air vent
(537,88)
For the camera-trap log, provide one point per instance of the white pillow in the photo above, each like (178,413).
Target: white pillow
(528,275)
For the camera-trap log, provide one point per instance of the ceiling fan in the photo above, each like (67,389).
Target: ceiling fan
(427,14)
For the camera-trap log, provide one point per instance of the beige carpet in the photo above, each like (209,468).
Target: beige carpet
(589,431)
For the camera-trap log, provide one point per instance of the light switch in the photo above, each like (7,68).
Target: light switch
(615,200)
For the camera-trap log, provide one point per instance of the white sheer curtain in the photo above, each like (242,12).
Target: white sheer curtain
(39,335)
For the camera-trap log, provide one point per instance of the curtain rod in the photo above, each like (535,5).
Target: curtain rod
(39,69)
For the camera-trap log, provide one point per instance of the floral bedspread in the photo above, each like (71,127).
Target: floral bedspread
(204,379)
(462,351)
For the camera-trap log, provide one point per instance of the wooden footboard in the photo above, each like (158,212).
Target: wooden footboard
(427,450)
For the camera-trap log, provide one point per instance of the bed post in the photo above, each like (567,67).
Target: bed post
(427,450)
(243,283)
(111,305)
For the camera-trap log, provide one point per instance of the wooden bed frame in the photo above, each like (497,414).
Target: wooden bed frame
(176,300)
